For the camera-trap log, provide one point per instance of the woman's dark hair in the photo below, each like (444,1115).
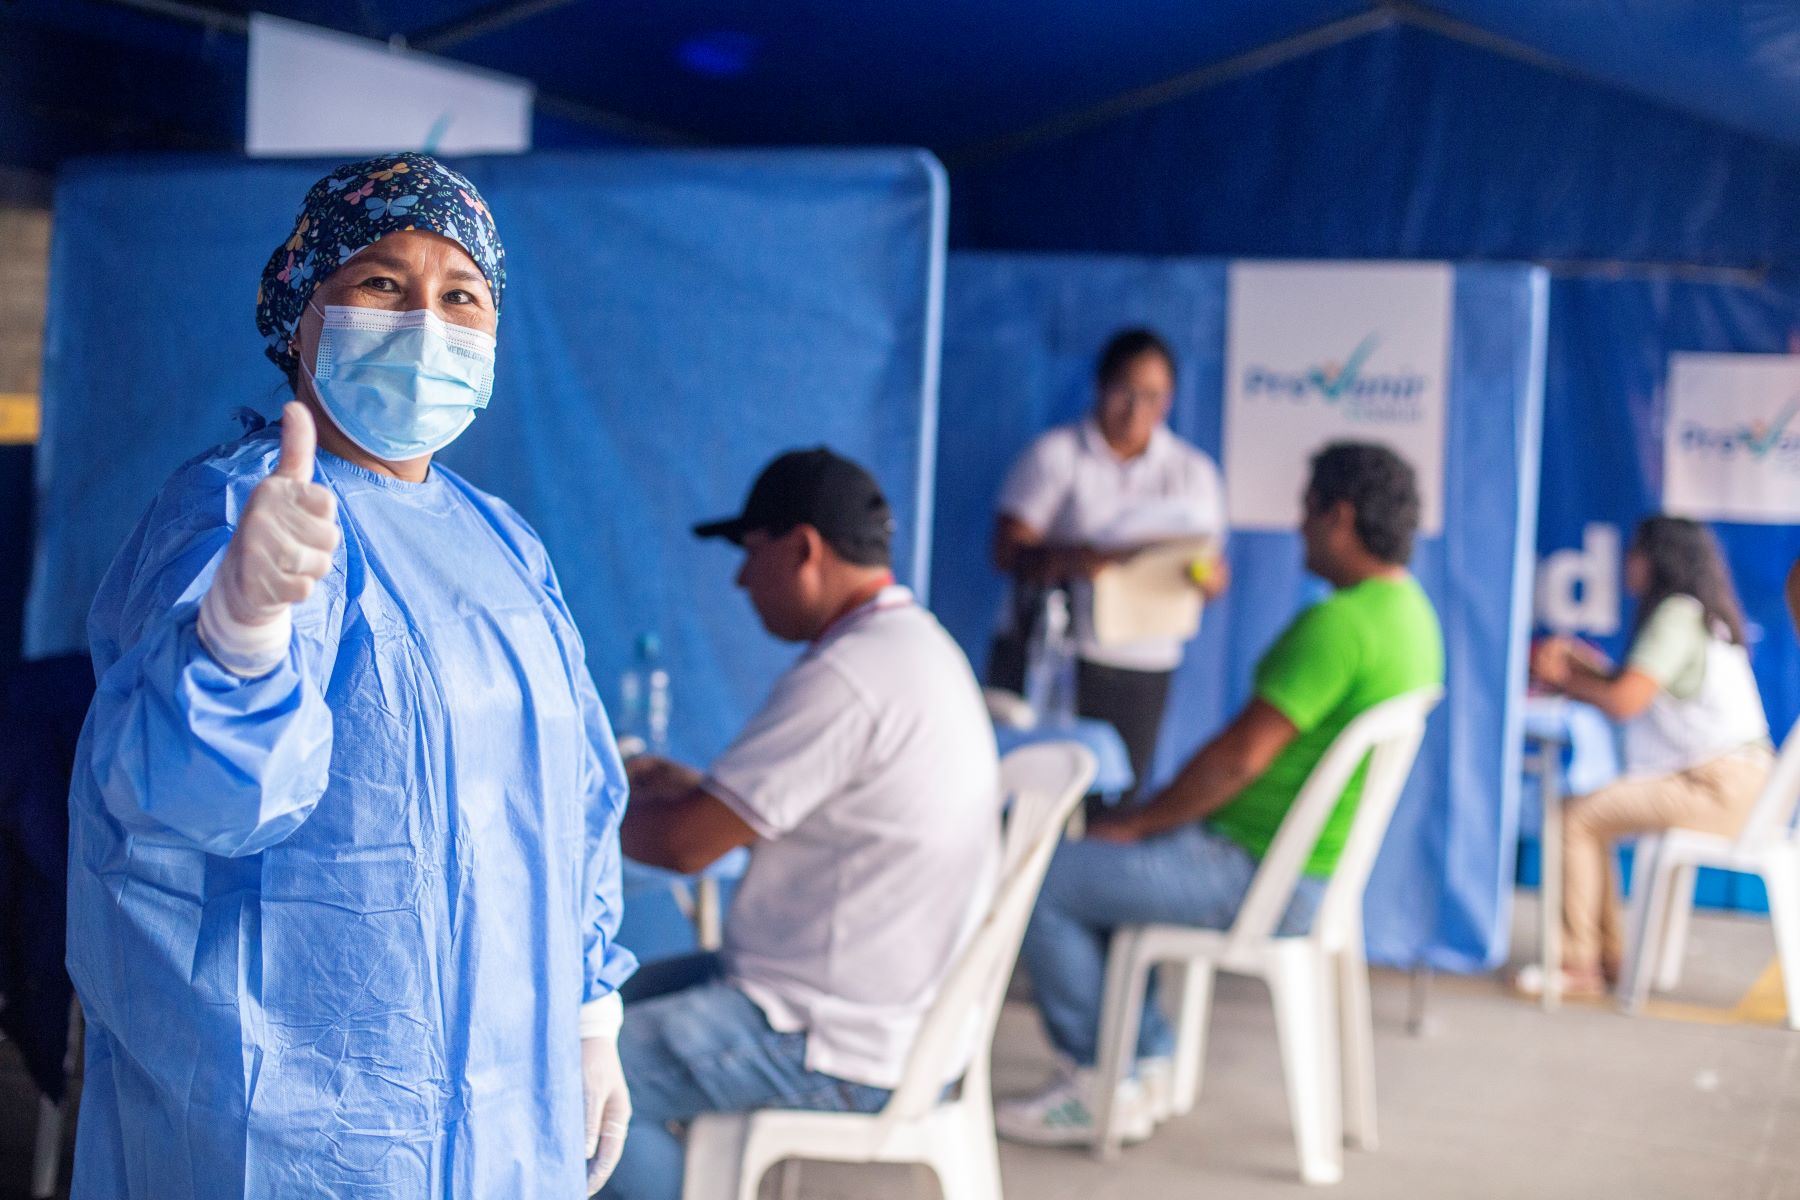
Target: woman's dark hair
(1126,347)
(1379,485)
(1684,560)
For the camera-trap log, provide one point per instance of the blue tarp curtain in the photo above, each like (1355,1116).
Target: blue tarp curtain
(673,320)
(1021,333)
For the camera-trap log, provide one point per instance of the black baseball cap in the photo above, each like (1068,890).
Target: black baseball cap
(818,488)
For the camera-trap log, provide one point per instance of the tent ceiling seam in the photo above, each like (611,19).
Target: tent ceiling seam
(555,105)
(1682,272)
(495,17)
(1199,79)
(1421,15)
(1431,20)
(214,20)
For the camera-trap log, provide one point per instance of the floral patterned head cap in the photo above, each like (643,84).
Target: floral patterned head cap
(353,208)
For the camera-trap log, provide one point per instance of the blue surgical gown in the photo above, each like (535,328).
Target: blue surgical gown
(332,927)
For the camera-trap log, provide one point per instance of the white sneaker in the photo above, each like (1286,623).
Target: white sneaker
(1531,980)
(1062,1114)
(1156,1076)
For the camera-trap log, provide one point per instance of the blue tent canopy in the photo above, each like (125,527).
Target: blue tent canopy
(949,75)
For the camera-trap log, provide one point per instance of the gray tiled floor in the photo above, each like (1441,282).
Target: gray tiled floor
(1496,1100)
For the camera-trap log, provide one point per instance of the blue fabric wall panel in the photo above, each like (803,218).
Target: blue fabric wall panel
(1398,144)
(672,321)
(1480,573)
(1610,343)
(1021,332)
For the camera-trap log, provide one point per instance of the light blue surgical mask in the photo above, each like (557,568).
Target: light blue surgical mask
(400,384)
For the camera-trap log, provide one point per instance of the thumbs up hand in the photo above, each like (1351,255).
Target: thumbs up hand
(282,547)
(286,535)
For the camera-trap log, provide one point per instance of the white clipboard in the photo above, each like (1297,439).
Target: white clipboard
(1151,595)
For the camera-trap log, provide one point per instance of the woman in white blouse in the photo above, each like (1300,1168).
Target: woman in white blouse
(1079,496)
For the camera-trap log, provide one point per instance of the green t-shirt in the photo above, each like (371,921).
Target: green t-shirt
(1339,658)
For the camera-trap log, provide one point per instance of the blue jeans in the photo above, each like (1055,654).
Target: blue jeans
(1190,876)
(706,1048)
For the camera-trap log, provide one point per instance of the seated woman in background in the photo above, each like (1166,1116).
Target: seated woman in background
(1696,741)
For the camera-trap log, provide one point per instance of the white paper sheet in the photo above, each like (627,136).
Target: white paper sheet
(1151,594)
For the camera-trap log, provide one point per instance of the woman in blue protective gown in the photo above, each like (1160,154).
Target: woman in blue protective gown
(344,865)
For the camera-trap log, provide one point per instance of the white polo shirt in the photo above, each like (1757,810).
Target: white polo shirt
(1071,487)
(871,777)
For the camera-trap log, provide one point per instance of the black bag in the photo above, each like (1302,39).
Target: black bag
(1010,651)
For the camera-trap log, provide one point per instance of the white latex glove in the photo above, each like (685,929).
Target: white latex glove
(606,1103)
(281,548)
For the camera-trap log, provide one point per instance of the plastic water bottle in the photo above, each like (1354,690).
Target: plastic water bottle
(645,703)
(1050,667)
(659,704)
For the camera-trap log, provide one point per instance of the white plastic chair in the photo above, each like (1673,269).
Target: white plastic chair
(1662,887)
(1319,982)
(727,1154)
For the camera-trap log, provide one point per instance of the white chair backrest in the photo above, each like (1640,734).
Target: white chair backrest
(1388,736)
(1041,784)
(1773,813)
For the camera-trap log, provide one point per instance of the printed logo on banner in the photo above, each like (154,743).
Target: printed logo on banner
(1578,588)
(1757,439)
(1322,352)
(1731,438)
(1368,397)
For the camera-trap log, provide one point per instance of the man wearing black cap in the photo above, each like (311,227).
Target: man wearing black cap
(868,786)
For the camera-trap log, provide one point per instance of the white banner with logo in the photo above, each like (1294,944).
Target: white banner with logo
(1320,352)
(1731,438)
(319,92)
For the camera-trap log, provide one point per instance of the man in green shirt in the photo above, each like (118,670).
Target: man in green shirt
(1188,855)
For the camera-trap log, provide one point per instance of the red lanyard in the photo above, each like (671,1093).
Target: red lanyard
(863,604)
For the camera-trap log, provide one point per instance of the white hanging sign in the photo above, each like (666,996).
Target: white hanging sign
(319,92)
(1731,438)
(1318,352)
